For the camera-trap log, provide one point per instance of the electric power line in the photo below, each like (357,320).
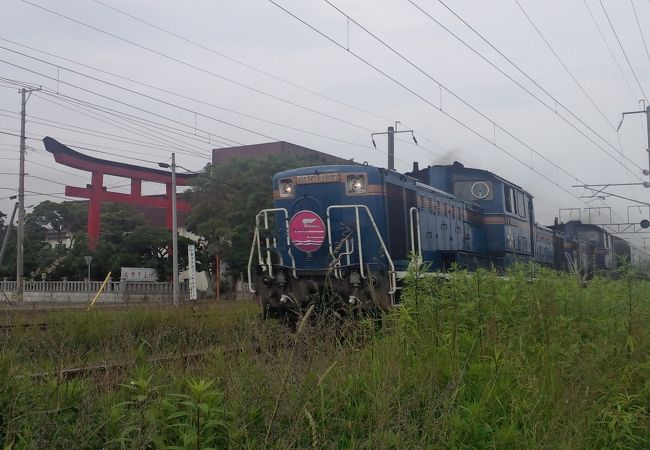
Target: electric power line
(85,131)
(124,103)
(202,102)
(155,131)
(195,67)
(243,64)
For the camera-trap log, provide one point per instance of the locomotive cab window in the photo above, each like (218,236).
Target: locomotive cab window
(509,196)
(521,204)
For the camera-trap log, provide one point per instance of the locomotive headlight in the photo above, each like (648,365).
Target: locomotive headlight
(287,188)
(356,184)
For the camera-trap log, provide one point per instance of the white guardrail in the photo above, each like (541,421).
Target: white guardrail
(133,287)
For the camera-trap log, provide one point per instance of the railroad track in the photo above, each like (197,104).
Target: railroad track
(6,328)
(99,369)
(42,326)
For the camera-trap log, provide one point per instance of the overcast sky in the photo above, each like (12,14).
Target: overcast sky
(248,72)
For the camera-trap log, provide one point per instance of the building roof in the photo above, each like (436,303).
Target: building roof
(221,155)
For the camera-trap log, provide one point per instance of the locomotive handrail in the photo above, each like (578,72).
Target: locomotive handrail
(336,260)
(250,261)
(413,232)
(256,242)
(393,281)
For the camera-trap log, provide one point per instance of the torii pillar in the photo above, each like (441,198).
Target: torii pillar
(96,193)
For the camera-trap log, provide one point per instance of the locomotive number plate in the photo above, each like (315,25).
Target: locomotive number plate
(317,178)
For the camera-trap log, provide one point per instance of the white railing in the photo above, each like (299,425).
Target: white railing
(93,286)
(6,285)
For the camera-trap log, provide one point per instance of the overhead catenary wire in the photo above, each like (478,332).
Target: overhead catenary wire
(440,108)
(636,17)
(557,102)
(458,121)
(456,96)
(526,75)
(563,64)
(620,44)
(609,49)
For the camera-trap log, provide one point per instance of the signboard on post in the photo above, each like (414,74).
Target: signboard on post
(138,274)
(191,265)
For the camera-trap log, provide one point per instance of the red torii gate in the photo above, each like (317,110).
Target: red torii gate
(96,192)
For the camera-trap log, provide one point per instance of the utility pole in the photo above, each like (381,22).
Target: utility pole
(174,233)
(21,199)
(174,229)
(391,132)
(21,194)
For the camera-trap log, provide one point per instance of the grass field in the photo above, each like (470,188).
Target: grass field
(474,362)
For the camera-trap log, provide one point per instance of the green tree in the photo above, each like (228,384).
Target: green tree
(62,220)
(127,240)
(5,270)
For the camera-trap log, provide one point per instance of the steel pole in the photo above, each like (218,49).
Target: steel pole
(174,234)
(391,148)
(647,118)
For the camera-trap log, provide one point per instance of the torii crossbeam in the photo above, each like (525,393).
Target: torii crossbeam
(96,192)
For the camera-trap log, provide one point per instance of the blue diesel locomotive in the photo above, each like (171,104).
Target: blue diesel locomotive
(350,229)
